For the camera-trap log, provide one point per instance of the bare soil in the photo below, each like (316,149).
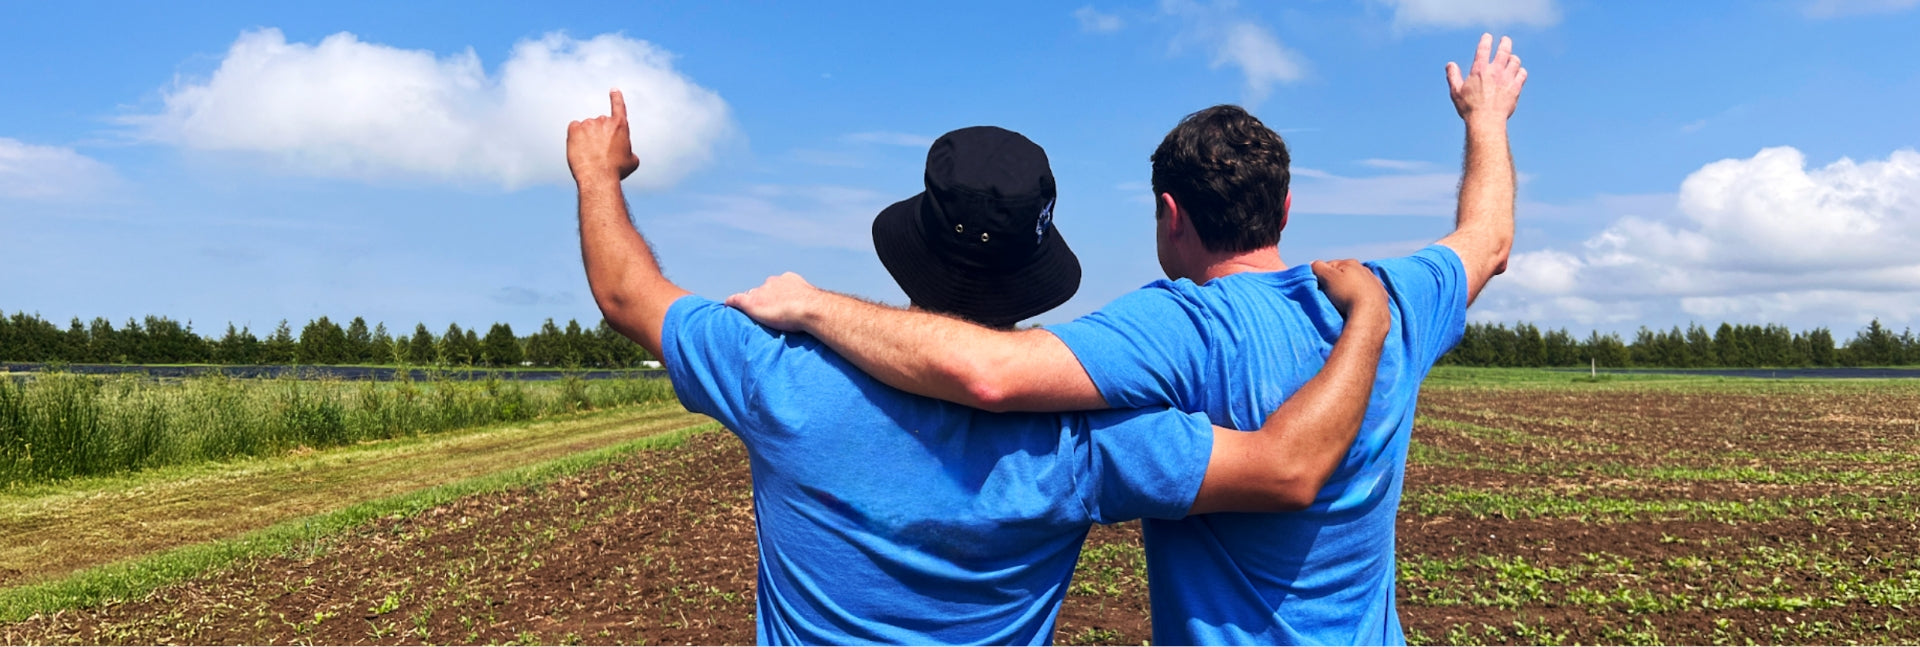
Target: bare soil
(659,548)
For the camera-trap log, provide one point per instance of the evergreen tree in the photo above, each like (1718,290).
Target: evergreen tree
(421,349)
(1606,350)
(281,347)
(238,347)
(380,349)
(323,342)
(103,342)
(453,347)
(543,347)
(359,342)
(573,345)
(501,348)
(1875,345)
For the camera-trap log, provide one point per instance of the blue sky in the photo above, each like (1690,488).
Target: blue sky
(1697,161)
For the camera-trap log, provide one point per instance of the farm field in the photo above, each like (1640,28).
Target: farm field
(1539,509)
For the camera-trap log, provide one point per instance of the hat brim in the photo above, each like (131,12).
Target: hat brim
(992,298)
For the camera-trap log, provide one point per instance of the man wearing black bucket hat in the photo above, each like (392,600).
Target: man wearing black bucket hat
(979,242)
(887,517)
(1231,333)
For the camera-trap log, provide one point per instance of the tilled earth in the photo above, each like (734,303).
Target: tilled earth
(1533,516)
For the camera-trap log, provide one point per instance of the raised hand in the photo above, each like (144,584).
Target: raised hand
(782,303)
(1491,89)
(1354,290)
(601,148)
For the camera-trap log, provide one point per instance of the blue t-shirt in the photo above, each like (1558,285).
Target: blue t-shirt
(885,517)
(1234,348)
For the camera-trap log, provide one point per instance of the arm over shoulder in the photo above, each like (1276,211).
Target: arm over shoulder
(1145,349)
(709,352)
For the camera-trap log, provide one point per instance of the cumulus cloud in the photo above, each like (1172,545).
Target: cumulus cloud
(1834,8)
(35,172)
(1094,22)
(1489,14)
(1236,41)
(1762,238)
(349,108)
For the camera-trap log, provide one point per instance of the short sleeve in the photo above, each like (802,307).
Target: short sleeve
(1430,290)
(1145,463)
(1145,349)
(706,347)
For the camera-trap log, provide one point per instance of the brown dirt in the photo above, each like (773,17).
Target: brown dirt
(659,548)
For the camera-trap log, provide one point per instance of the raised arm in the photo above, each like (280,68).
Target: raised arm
(930,354)
(621,270)
(1282,465)
(1485,98)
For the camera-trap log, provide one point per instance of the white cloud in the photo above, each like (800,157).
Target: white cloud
(909,140)
(1762,238)
(1834,8)
(348,108)
(1414,194)
(1232,40)
(48,172)
(820,216)
(1489,14)
(1396,165)
(1094,22)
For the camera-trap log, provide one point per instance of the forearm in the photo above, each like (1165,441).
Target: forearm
(621,269)
(1283,465)
(950,359)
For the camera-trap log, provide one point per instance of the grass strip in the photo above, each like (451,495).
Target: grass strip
(1548,503)
(135,577)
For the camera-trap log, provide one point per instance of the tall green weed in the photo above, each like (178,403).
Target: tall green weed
(60,425)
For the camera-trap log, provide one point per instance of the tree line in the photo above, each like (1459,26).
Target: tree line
(158,340)
(1729,346)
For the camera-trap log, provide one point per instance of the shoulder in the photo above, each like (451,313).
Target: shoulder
(1433,260)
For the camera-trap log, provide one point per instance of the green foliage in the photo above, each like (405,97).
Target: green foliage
(1729,346)
(61,425)
(158,340)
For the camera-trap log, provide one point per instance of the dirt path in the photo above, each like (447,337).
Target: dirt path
(106,520)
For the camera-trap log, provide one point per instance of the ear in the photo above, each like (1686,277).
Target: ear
(1286,210)
(1167,208)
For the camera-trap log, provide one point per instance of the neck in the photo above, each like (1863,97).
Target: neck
(1265,259)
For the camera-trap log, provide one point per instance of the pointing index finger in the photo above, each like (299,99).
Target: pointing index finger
(619,102)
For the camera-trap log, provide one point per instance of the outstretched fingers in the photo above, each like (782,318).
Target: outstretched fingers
(1483,54)
(1453,76)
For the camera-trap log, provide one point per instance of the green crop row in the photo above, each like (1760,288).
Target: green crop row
(64,425)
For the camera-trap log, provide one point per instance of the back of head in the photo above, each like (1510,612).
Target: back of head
(1228,172)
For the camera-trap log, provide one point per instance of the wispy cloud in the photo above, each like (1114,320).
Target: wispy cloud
(1233,40)
(1460,14)
(32,172)
(1409,194)
(820,216)
(1094,22)
(1837,8)
(909,140)
(348,108)
(1396,165)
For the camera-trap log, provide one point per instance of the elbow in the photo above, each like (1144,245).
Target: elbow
(1294,490)
(977,385)
(987,394)
(1294,497)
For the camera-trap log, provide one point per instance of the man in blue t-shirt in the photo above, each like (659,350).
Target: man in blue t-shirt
(887,517)
(1232,335)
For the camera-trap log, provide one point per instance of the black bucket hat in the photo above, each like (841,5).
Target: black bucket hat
(979,242)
